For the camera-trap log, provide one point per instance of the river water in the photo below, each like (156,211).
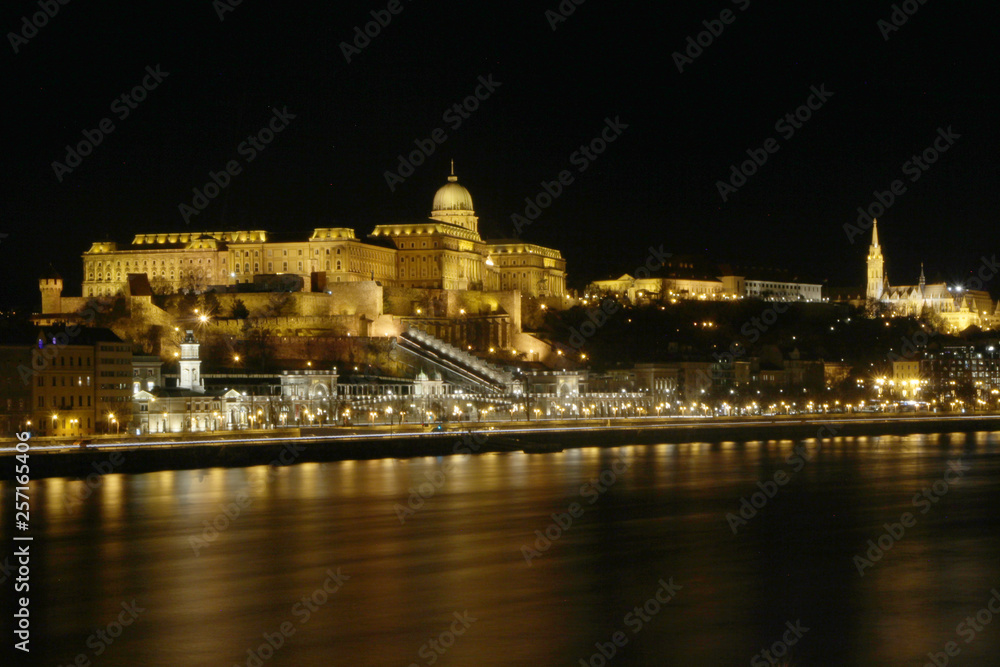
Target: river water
(437,560)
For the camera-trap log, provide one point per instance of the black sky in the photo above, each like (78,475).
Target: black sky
(655,185)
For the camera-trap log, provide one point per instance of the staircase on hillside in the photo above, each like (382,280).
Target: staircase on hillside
(457,362)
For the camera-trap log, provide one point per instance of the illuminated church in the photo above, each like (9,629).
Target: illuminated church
(958,308)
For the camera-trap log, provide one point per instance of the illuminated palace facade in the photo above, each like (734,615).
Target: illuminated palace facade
(444,251)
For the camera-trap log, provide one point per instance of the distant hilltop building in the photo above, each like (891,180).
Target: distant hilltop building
(958,309)
(684,277)
(442,252)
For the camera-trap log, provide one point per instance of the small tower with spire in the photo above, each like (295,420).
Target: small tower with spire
(876,266)
(190,364)
(923,281)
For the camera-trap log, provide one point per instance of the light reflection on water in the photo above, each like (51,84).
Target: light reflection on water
(459,547)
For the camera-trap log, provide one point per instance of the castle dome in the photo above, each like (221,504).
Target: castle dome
(451,196)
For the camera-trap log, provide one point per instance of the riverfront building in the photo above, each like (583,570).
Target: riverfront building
(80,382)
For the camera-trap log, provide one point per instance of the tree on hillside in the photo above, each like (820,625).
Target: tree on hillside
(281,304)
(210,303)
(259,345)
(240,310)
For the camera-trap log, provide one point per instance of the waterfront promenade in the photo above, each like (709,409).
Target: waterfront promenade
(67,456)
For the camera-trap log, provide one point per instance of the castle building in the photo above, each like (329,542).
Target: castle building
(444,251)
(957,308)
(695,278)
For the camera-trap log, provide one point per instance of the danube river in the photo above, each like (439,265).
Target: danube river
(673,554)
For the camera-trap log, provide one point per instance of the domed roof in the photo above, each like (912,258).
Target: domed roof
(452,196)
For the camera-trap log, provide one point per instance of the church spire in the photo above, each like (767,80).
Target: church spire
(453,178)
(877,282)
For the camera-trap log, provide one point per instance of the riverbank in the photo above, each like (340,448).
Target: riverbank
(59,457)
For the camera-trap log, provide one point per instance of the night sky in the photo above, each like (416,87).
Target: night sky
(656,184)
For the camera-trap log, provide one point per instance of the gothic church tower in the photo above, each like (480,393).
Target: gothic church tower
(876,266)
